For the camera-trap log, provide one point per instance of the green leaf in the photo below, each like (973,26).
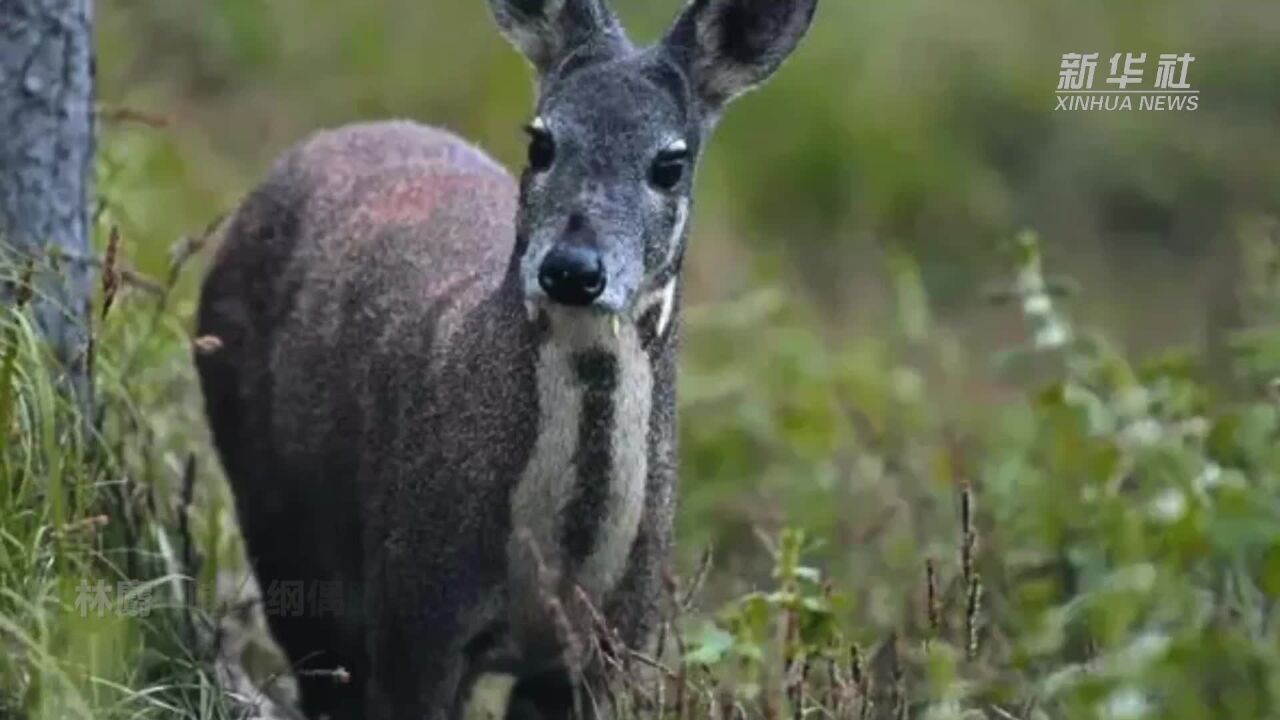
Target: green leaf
(709,646)
(811,574)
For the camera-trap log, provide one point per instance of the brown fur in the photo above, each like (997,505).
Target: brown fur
(375,353)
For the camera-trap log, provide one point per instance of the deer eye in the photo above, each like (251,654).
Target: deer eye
(542,147)
(669,167)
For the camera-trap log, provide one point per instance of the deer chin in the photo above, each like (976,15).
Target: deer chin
(538,305)
(577,327)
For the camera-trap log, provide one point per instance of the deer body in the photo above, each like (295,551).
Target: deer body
(449,395)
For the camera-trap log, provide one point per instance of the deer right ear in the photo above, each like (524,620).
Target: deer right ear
(548,31)
(730,46)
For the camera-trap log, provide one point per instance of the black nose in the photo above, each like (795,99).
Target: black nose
(572,274)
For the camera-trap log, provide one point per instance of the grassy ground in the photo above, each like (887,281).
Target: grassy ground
(1106,544)
(94,524)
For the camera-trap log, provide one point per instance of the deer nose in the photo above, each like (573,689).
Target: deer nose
(572,274)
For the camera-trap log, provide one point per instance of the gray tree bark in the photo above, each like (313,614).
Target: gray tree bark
(46,161)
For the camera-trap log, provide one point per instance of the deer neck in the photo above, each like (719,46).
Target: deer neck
(578,504)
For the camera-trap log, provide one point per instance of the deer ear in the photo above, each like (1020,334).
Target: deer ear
(548,31)
(728,47)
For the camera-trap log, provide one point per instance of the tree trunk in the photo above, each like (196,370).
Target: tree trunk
(46,162)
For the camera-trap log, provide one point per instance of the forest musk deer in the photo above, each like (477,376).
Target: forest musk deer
(452,395)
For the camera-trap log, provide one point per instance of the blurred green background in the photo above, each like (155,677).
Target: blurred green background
(916,126)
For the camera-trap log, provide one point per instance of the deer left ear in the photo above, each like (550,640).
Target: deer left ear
(728,47)
(548,31)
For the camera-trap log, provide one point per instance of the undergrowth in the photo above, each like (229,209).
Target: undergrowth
(96,612)
(1106,544)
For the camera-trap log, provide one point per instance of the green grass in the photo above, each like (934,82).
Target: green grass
(887,544)
(95,617)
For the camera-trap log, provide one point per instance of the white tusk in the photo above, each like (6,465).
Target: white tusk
(668,305)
